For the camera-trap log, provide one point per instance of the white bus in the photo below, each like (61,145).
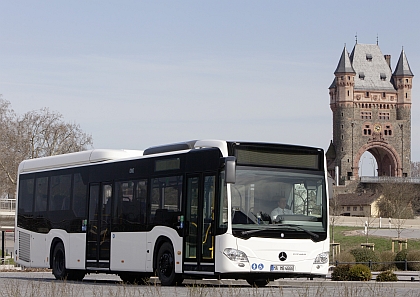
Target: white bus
(198,209)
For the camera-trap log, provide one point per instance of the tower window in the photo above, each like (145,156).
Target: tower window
(367,130)
(383,76)
(383,95)
(384,115)
(406,95)
(388,131)
(367,95)
(406,80)
(348,93)
(366,115)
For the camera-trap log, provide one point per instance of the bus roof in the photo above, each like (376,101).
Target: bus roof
(102,155)
(75,159)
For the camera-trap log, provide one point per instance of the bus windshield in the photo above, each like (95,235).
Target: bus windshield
(272,199)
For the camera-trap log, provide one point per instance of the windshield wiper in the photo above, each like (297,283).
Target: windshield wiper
(312,234)
(254,231)
(296,227)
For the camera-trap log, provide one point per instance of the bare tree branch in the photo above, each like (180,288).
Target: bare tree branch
(35,134)
(396,203)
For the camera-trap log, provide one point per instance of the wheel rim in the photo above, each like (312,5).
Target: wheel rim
(166,262)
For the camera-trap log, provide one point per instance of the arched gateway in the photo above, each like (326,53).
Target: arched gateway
(371,113)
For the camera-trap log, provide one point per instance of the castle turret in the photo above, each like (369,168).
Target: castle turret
(402,80)
(344,79)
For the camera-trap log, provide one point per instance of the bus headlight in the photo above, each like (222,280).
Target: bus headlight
(235,255)
(322,258)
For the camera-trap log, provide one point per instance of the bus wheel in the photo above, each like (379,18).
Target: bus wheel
(166,266)
(75,275)
(59,262)
(134,278)
(257,283)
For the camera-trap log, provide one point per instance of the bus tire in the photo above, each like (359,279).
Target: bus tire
(134,278)
(257,283)
(59,262)
(75,275)
(165,265)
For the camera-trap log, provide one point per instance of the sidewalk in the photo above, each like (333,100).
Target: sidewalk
(382,223)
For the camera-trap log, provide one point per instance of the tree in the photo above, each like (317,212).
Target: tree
(43,133)
(335,212)
(7,149)
(396,203)
(415,169)
(35,134)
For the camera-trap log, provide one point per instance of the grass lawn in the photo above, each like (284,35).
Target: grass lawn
(350,240)
(9,260)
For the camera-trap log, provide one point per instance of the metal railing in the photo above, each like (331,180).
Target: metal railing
(8,205)
(389,179)
(372,264)
(4,261)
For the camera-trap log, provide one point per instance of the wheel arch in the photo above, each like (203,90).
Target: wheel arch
(54,243)
(158,243)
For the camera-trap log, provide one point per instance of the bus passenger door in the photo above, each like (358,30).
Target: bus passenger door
(199,220)
(99,226)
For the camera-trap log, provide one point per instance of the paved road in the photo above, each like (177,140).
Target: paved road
(383,227)
(43,284)
(382,223)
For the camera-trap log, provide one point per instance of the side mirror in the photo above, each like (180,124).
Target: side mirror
(230,170)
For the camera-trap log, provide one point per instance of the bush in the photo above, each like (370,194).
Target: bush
(401,256)
(341,273)
(360,272)
(413,255)
(365,255)
(388,257)
(386,276)
(345,257)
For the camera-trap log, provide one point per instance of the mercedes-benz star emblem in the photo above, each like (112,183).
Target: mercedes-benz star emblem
(282,256)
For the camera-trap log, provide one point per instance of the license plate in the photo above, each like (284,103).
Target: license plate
(282,268)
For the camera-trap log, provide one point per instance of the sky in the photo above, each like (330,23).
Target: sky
(135,74)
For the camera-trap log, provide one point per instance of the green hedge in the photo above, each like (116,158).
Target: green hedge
(365,255)
(386,276)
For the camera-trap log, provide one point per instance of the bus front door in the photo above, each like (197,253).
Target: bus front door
(98,227)
(199,220)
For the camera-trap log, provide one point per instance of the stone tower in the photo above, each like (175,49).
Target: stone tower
(371,108)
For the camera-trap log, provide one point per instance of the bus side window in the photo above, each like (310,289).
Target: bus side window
(60,189)
(41,191)
(166,194)
(130,206)
(140,199)
(79,196)
(26,196)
